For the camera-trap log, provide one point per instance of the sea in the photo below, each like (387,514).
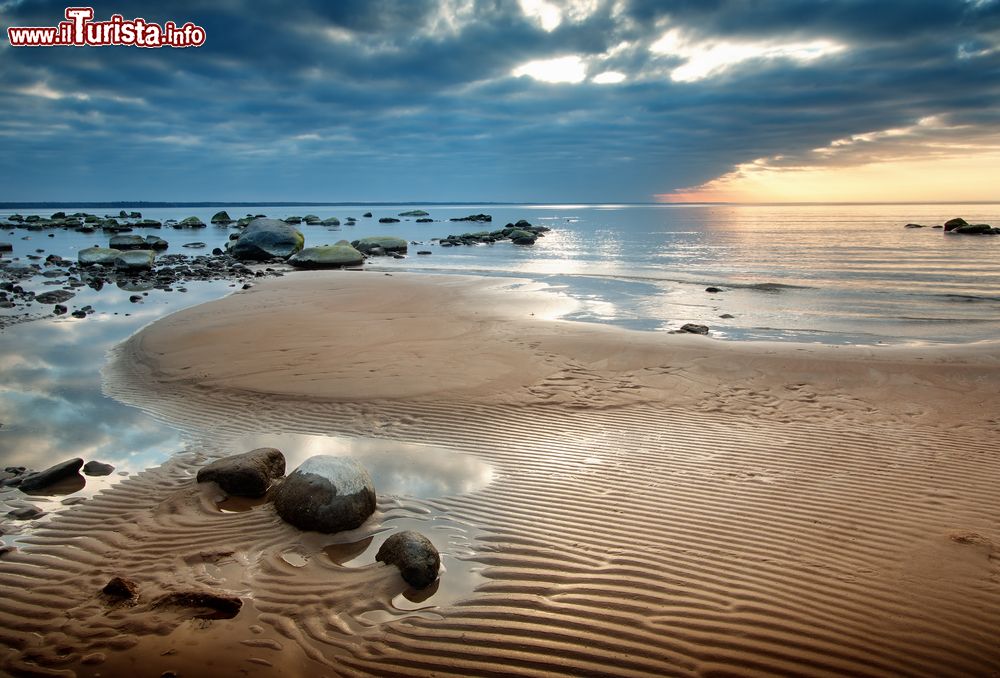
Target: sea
(830,274)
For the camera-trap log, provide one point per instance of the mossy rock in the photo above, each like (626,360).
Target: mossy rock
(387,243)
(327,256)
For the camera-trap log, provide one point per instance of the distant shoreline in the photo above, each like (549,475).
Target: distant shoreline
(369,203)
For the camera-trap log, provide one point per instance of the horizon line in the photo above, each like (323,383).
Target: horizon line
(155,204)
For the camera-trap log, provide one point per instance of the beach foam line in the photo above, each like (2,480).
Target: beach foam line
(660,505)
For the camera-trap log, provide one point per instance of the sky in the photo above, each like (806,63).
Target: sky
(512,100)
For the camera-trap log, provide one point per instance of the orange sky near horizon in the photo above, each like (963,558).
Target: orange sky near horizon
(970,177)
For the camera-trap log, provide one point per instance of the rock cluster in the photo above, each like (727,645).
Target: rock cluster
(962,227)
(521,233)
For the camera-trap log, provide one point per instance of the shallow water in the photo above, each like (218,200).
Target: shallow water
(832,274)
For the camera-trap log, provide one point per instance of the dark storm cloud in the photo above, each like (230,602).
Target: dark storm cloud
(415,100)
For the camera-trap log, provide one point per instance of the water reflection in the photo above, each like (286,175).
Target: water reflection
(396,468)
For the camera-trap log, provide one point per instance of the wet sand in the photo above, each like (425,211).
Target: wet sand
(659,504)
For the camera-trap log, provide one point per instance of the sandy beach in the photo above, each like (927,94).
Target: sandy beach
(658,504)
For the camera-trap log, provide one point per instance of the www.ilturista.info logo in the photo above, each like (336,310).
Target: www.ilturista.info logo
(80,30)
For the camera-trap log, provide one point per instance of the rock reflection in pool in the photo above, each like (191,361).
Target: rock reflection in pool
(396,468)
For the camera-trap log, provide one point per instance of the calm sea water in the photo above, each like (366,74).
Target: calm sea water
(832,274)
(827,273)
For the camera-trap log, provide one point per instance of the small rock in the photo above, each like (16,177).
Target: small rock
(415,556)
(914,226)
(713,290)
(388,220)
(54,297)
(97,468)
(245,475)
(692,328)
(122,588)
(26,513)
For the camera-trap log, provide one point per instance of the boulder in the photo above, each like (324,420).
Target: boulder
(691,328)
(332,221)
(6,247)
(974,229)
(293,220)
(424,221)
(54,297)
(386,243)
(155,242)
(388,220)
(266,239)
(221,218)
(522,237)
(415,556)
(311,219)
(474,217)
(127,242)
(148,223)
(190,222)
(135,260)
(952,224)
(51,475)
(326,494)
(366,214)
(328,256)
(104,256)
(97,468)
(245,475)
(414,213)
(914,226)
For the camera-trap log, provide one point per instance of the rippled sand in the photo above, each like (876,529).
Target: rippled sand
(653,504)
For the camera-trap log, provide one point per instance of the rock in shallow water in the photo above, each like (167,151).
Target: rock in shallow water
(51,475)
(327,256)
(245,475)
(266,239)
(415,556)
(326,494)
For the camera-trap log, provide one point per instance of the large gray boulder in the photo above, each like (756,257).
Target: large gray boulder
(415,556)
(328,256)
(51,475)
(127,242)
(266,239)
(387,243)
(245,475)
(326,494)
(90,256)
(221,218)
(135,260)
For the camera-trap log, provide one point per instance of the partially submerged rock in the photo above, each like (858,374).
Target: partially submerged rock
(104,256)
(127,242)
(267,239)
(692,328)
(97,468)
(414,213)
(221,217)
(326,494)
(952,224)
(135,260)
(51,475)
(415,556)
(385,243)
(245,475)
(328,256)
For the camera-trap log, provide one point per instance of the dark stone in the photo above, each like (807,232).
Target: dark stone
(692,328)
(328,256)
(59,309)
(424,221)
(221,218)
(54,297)
(245,475)
(388,220)
(974,229)
(952,224)
(914,226)
(6,247)
(474,217)
(366,214)
(413,213)
(135,298)
(121,588)
(53,474)
(713,290)
(415,556)
(727,316)
(423,251)
(26,513)
(97,468)
(193,245)
(210,605)
(155,242)
(326,494)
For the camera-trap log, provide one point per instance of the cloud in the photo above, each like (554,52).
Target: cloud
(473,99)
